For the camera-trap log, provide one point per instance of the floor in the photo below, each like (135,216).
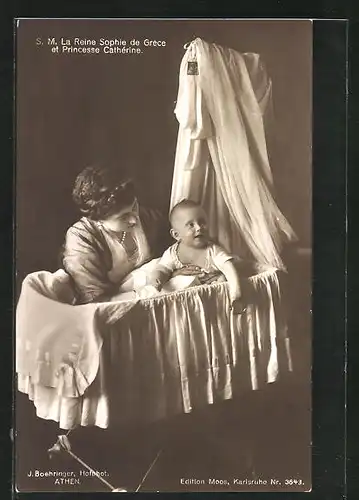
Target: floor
(259,443)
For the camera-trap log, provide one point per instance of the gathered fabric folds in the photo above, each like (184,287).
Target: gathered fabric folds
(221,156)
(58,344)
(167,355)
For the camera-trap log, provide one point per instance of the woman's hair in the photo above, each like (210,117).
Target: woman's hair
(100,192)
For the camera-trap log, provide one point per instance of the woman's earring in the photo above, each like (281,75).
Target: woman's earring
(135,207)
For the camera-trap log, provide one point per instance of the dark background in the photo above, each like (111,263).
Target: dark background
(74,109)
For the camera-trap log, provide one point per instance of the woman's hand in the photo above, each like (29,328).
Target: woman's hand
(147,292)
(154,282)
(158,277)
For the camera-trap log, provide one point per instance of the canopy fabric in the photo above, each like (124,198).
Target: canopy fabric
(221,156)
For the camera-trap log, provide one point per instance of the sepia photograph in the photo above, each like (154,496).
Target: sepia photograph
(163,230)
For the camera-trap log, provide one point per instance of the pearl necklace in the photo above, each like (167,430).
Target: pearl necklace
(120,239)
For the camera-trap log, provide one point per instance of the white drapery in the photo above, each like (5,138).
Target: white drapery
(221,155)
(138,363)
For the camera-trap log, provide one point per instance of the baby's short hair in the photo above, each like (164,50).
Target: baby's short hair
(182,204)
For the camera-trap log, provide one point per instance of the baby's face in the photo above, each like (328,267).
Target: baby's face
(190,227)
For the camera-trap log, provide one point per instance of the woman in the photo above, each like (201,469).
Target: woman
(113,237)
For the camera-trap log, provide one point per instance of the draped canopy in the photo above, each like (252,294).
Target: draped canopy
(221,156)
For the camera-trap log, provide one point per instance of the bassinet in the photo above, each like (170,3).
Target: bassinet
(113,363)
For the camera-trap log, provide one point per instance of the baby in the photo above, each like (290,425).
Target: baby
(194,254)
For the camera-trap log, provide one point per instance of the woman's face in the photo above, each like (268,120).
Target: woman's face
(124,220)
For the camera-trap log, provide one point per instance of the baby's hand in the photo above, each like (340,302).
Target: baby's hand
(187,270)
